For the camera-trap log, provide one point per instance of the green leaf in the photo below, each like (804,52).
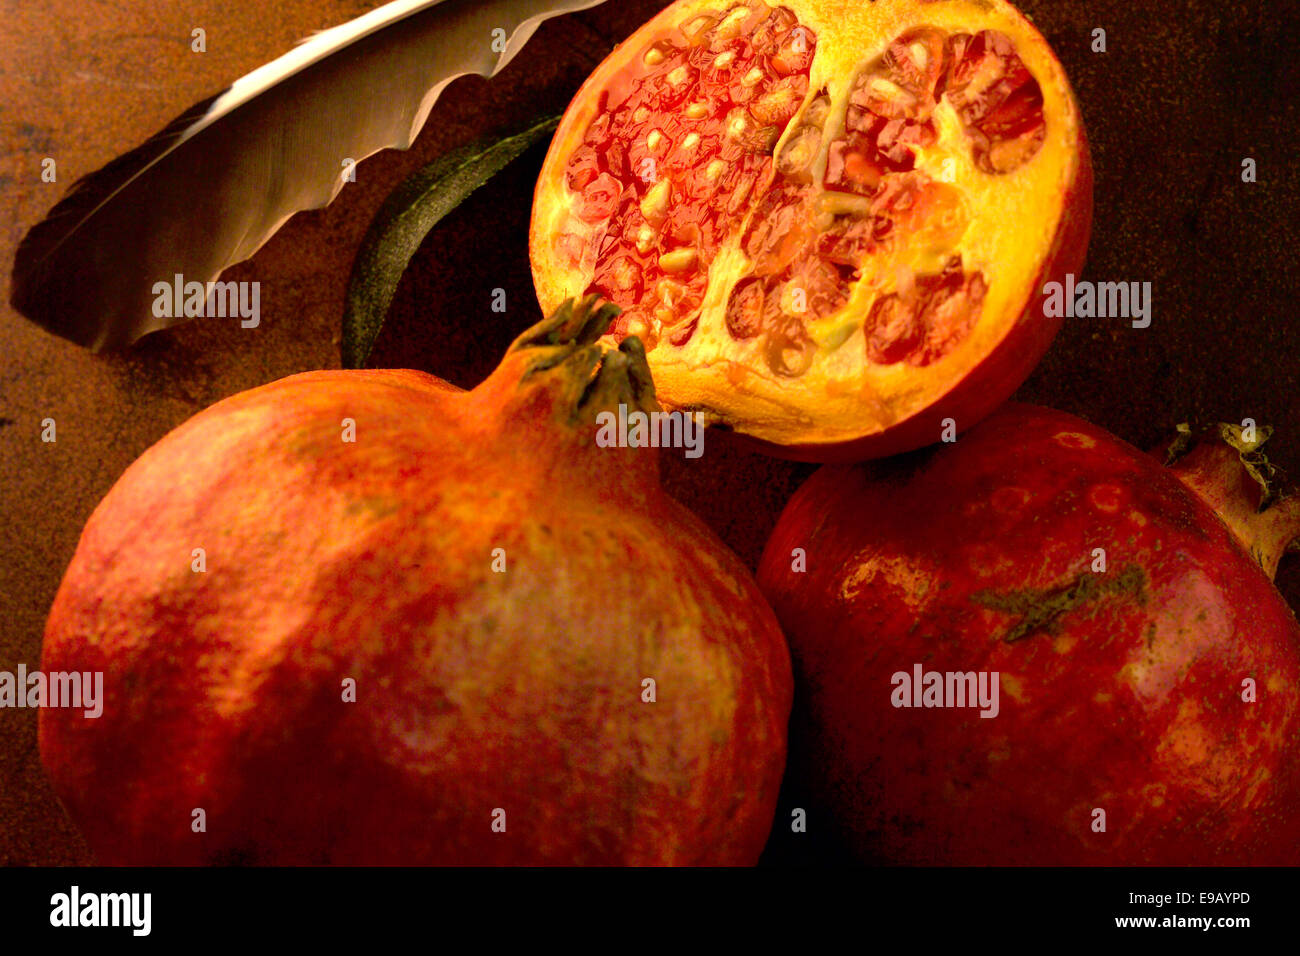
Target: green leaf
(406,217)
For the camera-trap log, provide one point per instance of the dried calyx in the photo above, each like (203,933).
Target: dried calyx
(1224,464)
(561,369)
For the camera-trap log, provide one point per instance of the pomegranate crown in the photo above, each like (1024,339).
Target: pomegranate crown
(565,355)
(1223,463)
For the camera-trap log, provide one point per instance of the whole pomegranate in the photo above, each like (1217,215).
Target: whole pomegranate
(830,221)
(1038,645)
(425,626)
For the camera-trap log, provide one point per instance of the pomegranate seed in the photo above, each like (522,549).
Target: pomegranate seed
(600,198)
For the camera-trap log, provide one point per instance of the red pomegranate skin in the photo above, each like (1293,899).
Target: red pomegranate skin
(372,560)
(1120,691)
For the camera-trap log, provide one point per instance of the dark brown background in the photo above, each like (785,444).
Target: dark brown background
(1184,93)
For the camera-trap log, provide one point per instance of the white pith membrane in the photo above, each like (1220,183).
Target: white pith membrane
(830,246)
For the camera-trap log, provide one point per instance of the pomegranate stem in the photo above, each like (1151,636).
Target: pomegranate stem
(1224,466)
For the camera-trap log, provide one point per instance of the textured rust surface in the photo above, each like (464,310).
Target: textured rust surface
(1171,109)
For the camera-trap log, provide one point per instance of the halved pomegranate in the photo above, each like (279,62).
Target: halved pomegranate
(829,222)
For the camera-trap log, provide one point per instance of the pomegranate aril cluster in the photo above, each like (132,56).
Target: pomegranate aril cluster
(685,143)
(872,200)
(681,145)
